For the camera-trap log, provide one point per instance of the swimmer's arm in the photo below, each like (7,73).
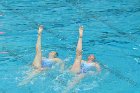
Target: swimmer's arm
(61,63)
(98,68)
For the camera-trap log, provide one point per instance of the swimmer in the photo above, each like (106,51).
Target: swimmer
(41,63)
(82,68)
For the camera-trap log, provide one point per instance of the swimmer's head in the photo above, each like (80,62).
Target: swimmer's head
(91,57)
(53,54)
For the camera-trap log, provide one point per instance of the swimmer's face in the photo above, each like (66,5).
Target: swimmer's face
(53,54)
(91,57)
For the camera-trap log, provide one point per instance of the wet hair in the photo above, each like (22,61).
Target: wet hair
(91,55)
(56,54)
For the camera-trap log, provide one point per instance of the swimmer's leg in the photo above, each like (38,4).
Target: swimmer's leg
(74,82)
(38,57)
(30,76)
(76,66)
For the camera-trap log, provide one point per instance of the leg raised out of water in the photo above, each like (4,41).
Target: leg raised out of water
(77,63)
(38,57)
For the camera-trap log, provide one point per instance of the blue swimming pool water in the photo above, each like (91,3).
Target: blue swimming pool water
(112,33)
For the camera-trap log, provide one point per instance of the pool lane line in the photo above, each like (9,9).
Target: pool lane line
(119,75)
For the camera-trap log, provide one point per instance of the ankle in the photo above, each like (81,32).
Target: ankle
(80,37)
(39,34)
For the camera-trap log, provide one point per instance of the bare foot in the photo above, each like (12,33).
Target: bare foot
(40,29)
(81,29)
